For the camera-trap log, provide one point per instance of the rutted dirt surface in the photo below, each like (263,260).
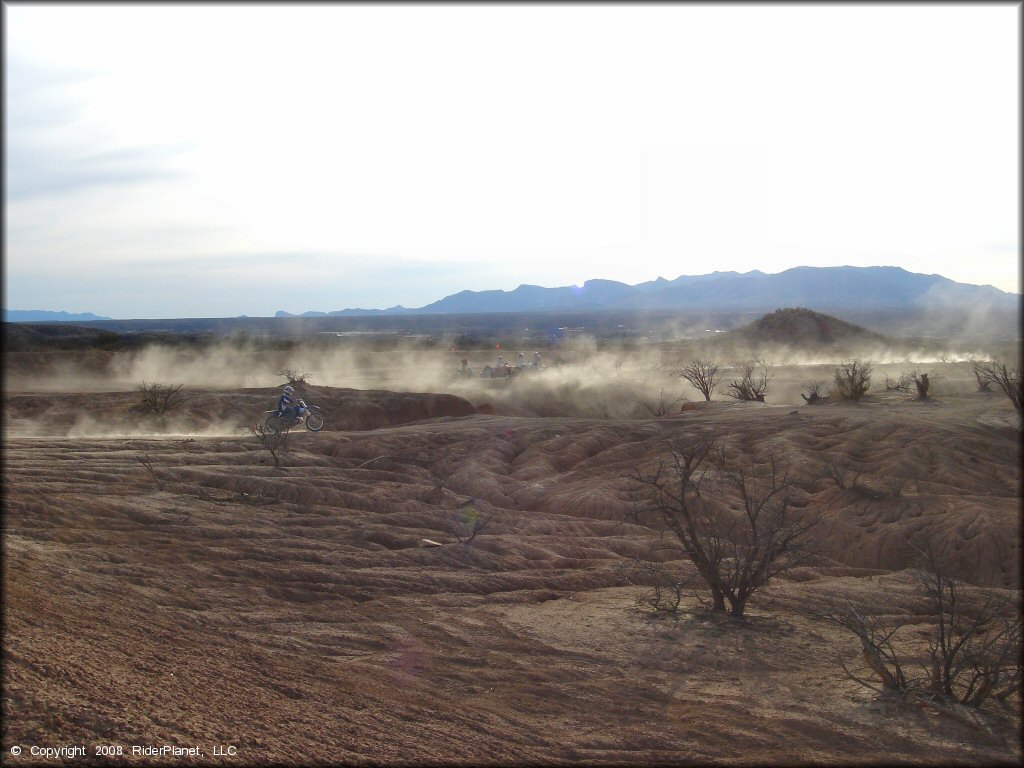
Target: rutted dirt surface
(207,411)
(297,614)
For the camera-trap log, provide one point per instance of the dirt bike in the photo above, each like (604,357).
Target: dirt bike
(308,414)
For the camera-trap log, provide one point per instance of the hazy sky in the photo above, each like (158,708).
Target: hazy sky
(192,160)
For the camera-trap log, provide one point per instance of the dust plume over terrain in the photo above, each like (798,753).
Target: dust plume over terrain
(613,374)
(160,569)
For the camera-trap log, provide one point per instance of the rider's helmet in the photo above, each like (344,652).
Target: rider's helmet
(289,388)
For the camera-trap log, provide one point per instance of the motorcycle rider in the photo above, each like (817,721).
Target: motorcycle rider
(521,360)
(287,404)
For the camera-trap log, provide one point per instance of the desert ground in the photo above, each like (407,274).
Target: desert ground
(167,583)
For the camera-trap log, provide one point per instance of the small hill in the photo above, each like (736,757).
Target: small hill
(28,336)
(805,329)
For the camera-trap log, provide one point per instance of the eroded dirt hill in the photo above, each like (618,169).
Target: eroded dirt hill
(184,590)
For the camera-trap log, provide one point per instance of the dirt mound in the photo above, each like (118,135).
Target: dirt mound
(804,329)
(370,409)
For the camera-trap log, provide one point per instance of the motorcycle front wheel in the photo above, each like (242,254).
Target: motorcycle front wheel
(314,422)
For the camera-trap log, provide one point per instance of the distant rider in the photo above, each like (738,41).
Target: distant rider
(521,361)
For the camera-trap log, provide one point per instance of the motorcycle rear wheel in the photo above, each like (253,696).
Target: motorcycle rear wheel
(274,424)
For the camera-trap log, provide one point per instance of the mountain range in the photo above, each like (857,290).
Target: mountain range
(819,288)
(47,316)
(824,289)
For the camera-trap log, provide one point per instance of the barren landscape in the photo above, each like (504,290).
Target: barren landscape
(442,575)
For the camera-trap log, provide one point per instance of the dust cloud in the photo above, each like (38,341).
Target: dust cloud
(581,376)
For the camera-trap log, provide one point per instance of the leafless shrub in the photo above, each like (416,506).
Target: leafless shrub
(666,589)
(274,441)
(972,652)
(852,379)
(814,392)
(884,661)
(159,398)
(752,383)
(294,377)
(440,472)
(704,375)
(902,384)
(912,379)
(841,472)
(663,406)
(467,521)
(1007,379)
(736,549)
(146,461)
(978,368)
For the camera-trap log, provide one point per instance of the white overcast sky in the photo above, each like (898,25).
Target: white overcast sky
(194,160)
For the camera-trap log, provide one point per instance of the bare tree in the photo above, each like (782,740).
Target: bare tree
(704,375)
(1007,379)
(159,398)
(752,383)
(814,392)
(737,549)
(853,378)
(274,441)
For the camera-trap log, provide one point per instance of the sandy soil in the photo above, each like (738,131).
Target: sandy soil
(296,614)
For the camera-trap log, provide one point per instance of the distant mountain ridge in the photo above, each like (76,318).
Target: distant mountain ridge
(45,316)
(819,288)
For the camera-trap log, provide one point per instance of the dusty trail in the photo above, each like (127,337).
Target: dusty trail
(294,613)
